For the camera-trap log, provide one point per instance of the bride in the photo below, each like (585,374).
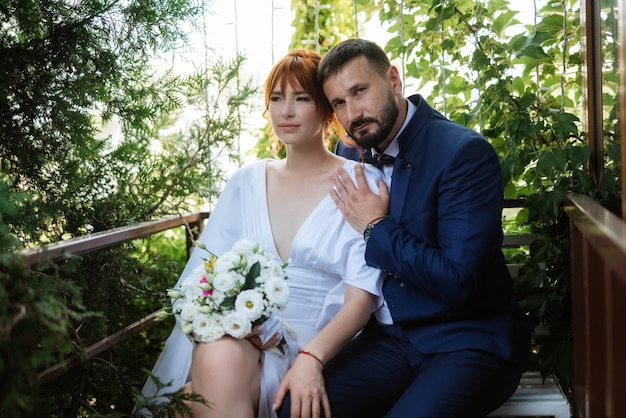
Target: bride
(285,206)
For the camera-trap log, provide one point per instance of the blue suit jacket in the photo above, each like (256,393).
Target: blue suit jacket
(448,285)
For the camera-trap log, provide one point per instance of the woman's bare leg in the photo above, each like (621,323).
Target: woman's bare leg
(227,374)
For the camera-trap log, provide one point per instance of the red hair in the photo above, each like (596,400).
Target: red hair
(299,68)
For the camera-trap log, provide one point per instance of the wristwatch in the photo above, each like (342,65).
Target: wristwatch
(368,231)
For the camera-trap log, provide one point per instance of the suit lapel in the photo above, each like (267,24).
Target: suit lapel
(402,168)
(399,187)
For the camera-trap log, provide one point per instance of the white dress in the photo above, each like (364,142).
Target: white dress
(326,254)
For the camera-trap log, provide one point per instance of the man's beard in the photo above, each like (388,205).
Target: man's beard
(388,117)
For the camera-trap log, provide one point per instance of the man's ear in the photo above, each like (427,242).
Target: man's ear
(395,79)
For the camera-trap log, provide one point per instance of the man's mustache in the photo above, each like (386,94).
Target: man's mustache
(360,122)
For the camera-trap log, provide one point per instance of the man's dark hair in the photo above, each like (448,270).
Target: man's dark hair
(346,51)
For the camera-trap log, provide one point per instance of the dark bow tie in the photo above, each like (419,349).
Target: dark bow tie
(380,160)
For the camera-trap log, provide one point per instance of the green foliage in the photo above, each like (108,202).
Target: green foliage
(65,63)
(35,313)
(170,404)
(72,68)
(331,25)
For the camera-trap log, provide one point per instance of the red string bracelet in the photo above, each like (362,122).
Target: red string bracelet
(308,353)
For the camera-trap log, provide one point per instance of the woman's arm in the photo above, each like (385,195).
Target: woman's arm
(304,380)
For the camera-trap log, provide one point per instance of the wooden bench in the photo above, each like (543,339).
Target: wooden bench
(534,395)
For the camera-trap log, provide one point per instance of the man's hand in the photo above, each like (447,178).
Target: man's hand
(308,392)
(358,203)
(256,341)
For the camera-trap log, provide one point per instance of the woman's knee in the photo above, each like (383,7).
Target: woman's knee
(226,355)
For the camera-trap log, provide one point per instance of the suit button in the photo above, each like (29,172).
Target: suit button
(402,284)
(409,167)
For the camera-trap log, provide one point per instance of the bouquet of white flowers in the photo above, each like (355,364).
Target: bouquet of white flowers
(229,294)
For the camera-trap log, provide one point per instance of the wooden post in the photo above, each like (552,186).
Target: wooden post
(592,86)
(598,254)
(622,95)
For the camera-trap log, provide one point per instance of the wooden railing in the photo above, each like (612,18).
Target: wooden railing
(60,251)
(100,240)
(93,242)
(598,254)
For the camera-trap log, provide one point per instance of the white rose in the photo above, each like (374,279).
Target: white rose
(270,272)
(225,282)
(250,304)
(226,262)
(253,258)
(190,286)
(236,325)
(188,310)
(277,292)
(245,247)
(217,297)
(207,328)
(276,268)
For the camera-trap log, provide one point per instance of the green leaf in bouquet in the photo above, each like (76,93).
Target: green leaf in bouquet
(253,273)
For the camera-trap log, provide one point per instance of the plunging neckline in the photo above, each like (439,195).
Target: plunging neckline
(300,228)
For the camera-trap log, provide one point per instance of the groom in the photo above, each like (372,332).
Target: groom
(450,340)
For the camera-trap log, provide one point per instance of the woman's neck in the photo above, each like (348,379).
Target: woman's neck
(309,159)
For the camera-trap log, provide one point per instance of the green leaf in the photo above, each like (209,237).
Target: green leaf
(479,59)
(551,160)
(253,273)
(517,42)
(546,205)
(504,21)
(578,155)
(533,51)
(456,84)
(527,100)
(566,126)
